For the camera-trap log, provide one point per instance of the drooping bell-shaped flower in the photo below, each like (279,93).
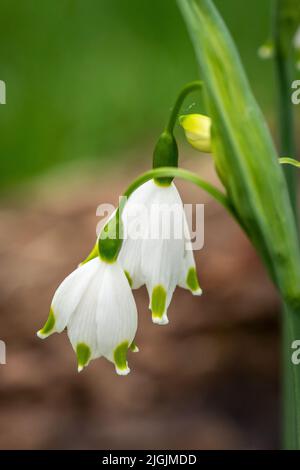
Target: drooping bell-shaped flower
(197,128)
(156,250)
(96,305)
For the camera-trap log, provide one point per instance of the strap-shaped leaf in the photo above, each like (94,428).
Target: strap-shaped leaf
(244,153)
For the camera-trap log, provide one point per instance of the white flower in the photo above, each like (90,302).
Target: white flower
(157,254)
(96,305)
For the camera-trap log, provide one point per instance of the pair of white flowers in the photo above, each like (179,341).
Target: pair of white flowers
(95,302)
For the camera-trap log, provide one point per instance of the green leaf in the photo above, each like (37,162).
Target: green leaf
(244,153)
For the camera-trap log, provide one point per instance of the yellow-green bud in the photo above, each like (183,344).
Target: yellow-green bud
(197,129)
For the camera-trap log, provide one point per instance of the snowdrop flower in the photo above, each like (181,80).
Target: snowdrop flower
(158,254)
(197,129)
(96,305)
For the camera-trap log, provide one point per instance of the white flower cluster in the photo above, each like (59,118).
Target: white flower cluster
(95,302)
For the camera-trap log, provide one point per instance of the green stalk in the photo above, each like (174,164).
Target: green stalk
(247,163)
(172,172)
(291,380)
(289,161)
(290,320)
(186,175)
(284,67)
(186,90)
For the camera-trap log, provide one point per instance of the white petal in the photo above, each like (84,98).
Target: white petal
(130,260)
(188,276)
(135,227)
(68,295)
(163,251)
(82,325)
(116,317)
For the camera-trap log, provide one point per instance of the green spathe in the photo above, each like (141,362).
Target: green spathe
(83,353)
(158,301)
(243,150)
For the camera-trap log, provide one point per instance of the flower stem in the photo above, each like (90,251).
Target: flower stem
(290,319)
(289,161)
(284,66)
(291,380)
(186,90)
(162,172)
(173,172)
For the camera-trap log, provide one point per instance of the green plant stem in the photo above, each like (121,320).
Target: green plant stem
(182,174)
(186,90)
(291,382)
(289,161)
(173,172)
(290,319)
(284,66)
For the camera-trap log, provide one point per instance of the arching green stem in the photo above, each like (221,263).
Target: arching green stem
(289,161)
(182,174)
(166,151)
(186,90)
(186,175)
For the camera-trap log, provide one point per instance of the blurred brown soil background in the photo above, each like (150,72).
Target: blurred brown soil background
(209,380)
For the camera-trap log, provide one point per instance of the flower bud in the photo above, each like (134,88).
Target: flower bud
(197,131)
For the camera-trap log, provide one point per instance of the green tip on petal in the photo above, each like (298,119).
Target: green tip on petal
(158,305)
(48,327)
(83,353)
(120,358)
(129,279)
(133,347)
(192,281)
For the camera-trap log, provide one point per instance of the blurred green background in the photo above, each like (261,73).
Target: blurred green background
(93,78)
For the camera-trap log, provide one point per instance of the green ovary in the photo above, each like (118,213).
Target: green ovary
(120,356)
(158,301)
(83,353)
(50,323)
(192,280)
